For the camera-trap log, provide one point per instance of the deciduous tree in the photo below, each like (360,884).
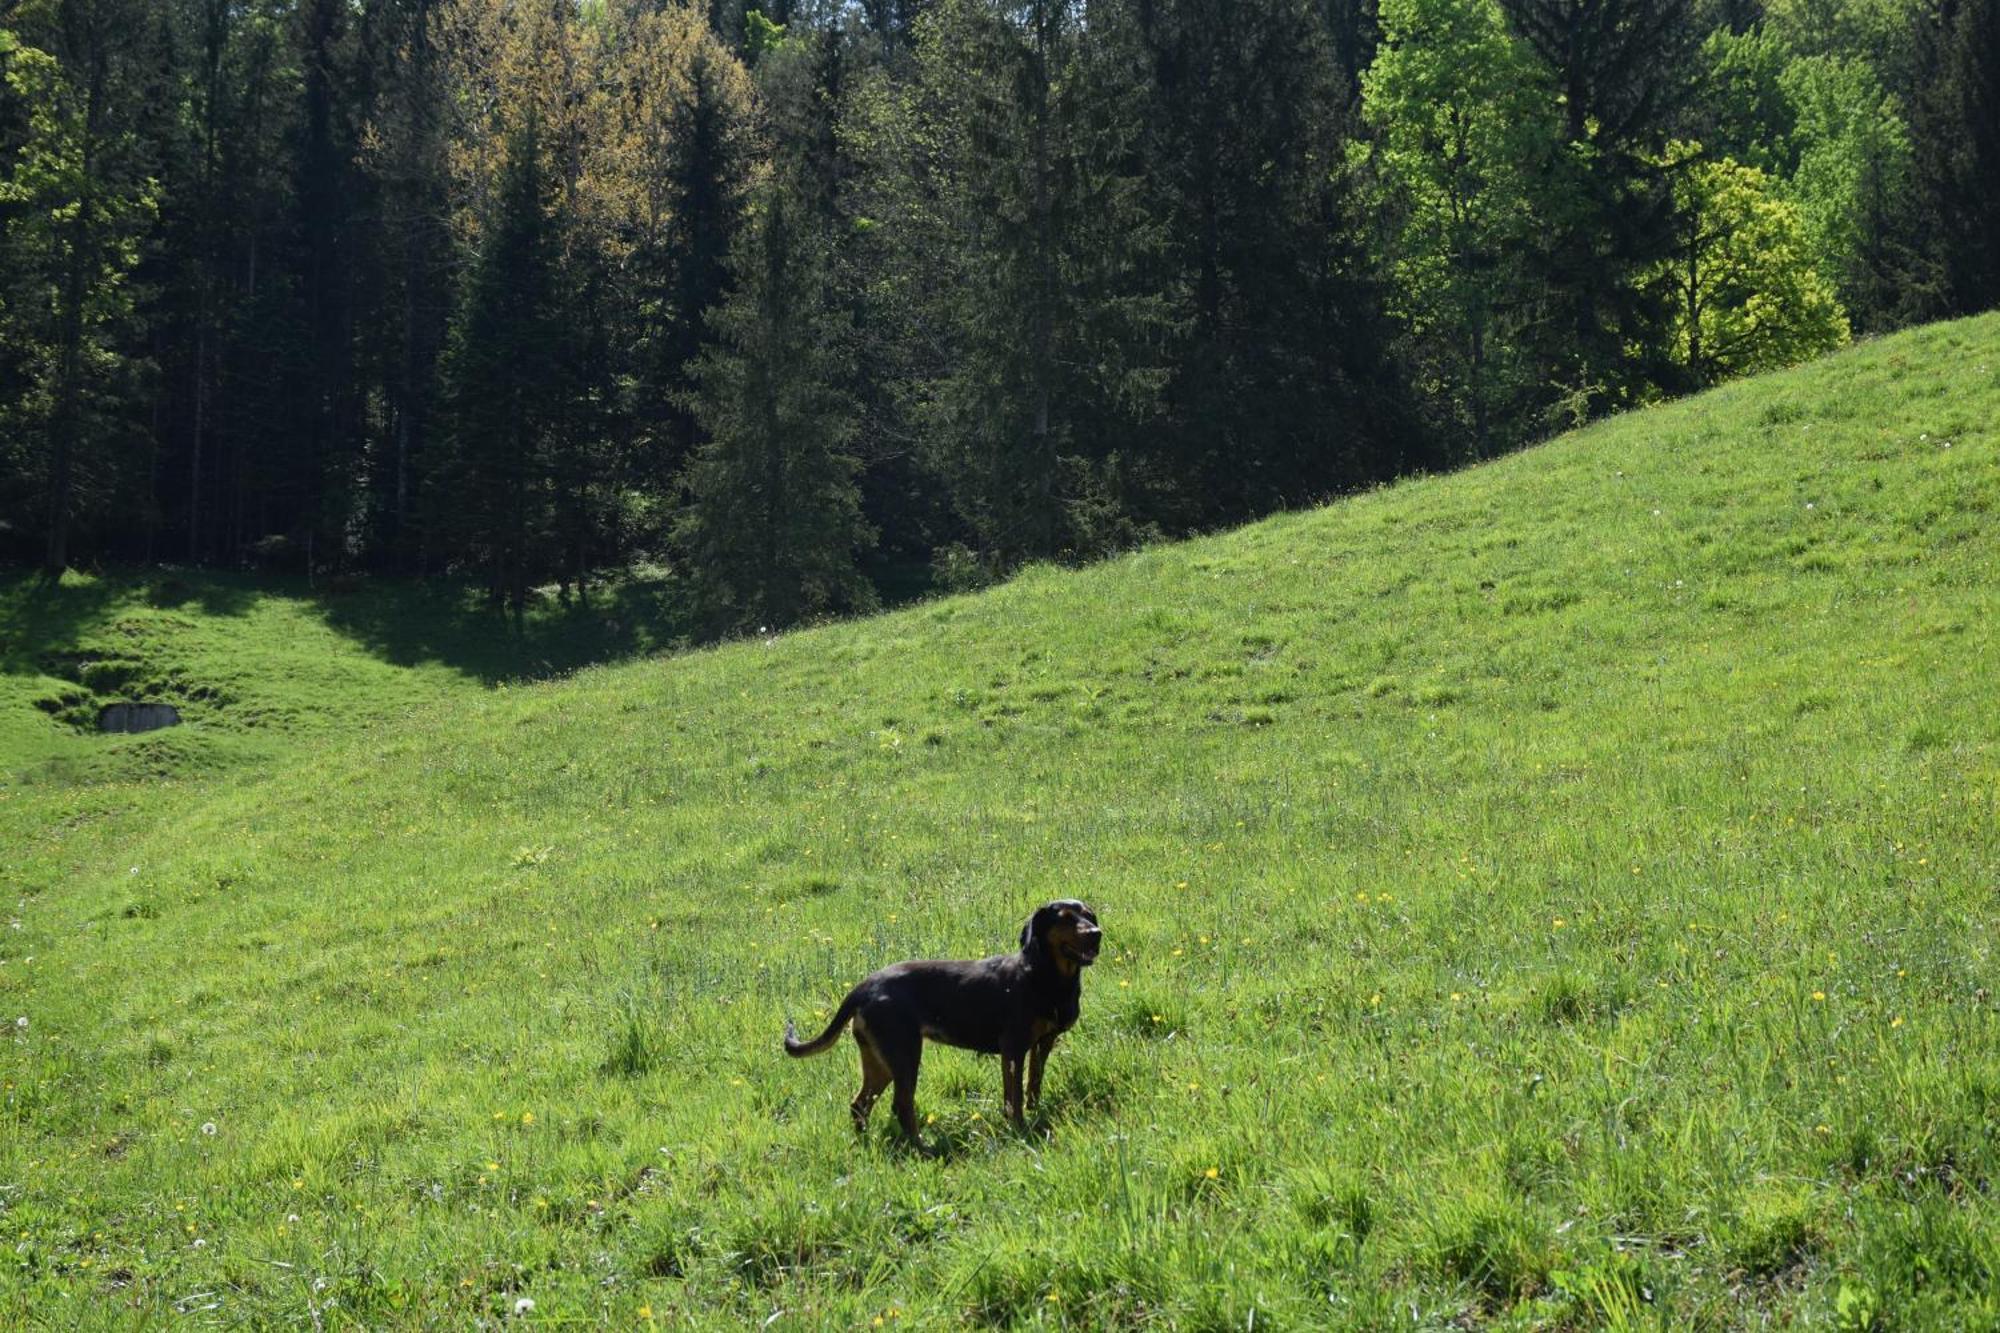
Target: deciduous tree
(1745,294)
(1459,124)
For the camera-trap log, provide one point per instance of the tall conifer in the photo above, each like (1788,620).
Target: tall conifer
(773,525)
(1957,133)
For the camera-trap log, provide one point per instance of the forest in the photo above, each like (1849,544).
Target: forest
(812,305)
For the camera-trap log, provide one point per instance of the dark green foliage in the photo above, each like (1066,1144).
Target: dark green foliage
(1273,391)
(1957,131)
(504,378)
(1012,200)
(774,526)
(412,251)
(683,265)
(1622,72)
(774,523)
(77,196)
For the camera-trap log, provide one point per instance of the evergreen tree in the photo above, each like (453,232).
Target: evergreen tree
(324,391)
(1015,223)
(406,154)
(503,381)
(680,164)
(1275,390)
(1957,167)
(1621,72)
(773,524)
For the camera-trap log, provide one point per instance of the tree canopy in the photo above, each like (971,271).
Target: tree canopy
(811,304)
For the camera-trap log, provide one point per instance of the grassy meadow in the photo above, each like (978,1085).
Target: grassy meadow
(1556,895)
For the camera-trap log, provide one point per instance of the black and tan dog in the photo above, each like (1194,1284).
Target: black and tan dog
(1014,1005)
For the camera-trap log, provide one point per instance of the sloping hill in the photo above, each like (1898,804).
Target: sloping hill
(1556,893)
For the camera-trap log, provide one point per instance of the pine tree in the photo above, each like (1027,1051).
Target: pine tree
(1621,74)
(1014,218)
(323,268)
(677,168)
(773,524)
(1275,389)
(503,381)
(407,162)
(1957,132)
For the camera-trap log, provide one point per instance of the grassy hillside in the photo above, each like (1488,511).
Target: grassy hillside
(263,671)
(1558,894)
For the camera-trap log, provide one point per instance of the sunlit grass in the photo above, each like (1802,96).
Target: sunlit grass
(1555,894)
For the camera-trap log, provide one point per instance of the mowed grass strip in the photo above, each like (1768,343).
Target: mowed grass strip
(1557,894)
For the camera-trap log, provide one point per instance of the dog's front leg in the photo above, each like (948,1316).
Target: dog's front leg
(1038,1057)
(1010,1084)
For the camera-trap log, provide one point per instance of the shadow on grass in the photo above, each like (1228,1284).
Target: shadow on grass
(41,619)
(407,623)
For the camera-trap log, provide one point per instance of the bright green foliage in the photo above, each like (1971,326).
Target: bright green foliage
(1460,121)
(774,524)
(1550,895)
(1746,295)
(1746,114)
(74,202)
(1833,142)
(1853,167)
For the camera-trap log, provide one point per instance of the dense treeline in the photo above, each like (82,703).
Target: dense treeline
(800,298)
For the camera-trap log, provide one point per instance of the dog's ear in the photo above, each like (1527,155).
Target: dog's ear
(1031,933)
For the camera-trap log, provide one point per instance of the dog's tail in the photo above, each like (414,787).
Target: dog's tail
(793,1046)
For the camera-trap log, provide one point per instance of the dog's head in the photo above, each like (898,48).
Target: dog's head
(1066,931)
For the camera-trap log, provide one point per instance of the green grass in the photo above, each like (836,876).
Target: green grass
(1554,895)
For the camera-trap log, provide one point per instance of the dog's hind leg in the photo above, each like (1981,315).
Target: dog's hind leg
(905,1058)
(875,1076)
